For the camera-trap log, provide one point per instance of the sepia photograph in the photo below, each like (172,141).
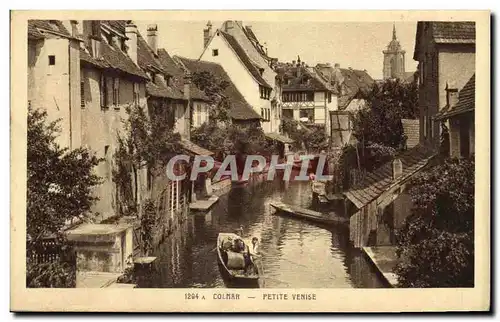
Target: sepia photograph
(282,157)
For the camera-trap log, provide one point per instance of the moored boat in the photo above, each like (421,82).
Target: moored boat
(307,214)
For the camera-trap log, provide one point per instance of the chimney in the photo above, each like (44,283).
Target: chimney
(397,169)
(228,26)
(131,33)
(207,34)
(451,95)
(152,33)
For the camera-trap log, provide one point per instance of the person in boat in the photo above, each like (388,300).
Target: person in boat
(255,247)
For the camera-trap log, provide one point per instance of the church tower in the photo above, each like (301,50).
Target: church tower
(394,58)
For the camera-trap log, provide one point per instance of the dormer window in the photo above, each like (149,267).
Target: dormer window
(261,70)
(169,80)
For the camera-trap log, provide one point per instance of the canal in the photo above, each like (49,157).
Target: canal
(296,254)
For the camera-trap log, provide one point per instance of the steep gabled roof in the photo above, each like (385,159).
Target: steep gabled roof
(242,55)
(255,41)
(303,81)
(355,82)
(34,27)
(240,109)
(146,58)
(347,81)
(177,74)
(466,101)
(113,58)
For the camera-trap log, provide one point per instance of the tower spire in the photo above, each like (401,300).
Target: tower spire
(393,31)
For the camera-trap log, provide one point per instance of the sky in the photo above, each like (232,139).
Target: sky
(351,44)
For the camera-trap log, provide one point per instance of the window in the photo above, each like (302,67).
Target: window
(307,112)
(82,93)
(136,94)
(421,73)
(329,97)
(198,117)
(103,87)
(265,93)
(265,113)
(298,97)
(106,150)
(116,92)
(52,60)
(215,52)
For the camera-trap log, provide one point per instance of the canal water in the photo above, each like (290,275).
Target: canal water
(296,254)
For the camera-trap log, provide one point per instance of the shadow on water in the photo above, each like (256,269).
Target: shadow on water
(294,253)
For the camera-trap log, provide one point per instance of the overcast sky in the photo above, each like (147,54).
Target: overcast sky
(351,44)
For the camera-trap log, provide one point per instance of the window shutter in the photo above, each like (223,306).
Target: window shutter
(82,93)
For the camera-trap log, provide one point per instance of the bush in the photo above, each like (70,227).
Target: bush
(436,242)
(50,275)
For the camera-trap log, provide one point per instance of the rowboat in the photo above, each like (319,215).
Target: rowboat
(307,214)
(235,273)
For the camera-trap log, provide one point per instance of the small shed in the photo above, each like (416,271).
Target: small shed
(380,203)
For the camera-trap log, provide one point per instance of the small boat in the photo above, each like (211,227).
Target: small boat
(311,215)
(237,273)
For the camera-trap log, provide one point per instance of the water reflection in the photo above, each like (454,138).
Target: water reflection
(295,253)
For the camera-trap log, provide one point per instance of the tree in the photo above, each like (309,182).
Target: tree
(312,138)
(436,242)
(219,134)
(59,190)
(380,121)
(214,88)
(148,142)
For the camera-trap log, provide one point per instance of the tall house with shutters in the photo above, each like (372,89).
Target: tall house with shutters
(86,73)
(446,57)
(236,48)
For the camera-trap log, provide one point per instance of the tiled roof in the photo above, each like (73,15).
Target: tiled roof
(172,68)
(193,148)
(50,25)
(307,81)
(112,58)
(454,32)
(255,41)
(240,52)
(169,65)
(161,90)
(147,60)
(145,56)
(444,32)
(118,60)
(411,129)
(381,180)
(466,101)
(118,25)
(352,82)
(240,109)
